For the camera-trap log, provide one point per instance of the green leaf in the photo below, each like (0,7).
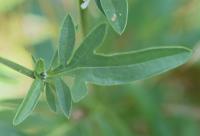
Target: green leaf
(34,59)
(17,67)
(120,68)
(64,96)
(116,12)
(51,97)
(98,3)
(67,40)
(79,90)
(40,66)
(128,67)
(40,71)
(91,42)
(29,102)
(55,61)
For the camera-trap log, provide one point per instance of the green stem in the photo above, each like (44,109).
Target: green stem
(19,68)
(82,18)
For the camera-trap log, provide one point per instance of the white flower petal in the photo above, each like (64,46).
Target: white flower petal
(85,4)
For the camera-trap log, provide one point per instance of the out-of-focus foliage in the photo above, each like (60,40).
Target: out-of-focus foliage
(9,5)
(166,105)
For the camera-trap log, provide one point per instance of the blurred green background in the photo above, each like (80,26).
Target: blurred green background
(166,105)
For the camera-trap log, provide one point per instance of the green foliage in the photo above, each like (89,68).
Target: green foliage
(124,68)
(98,3)
(29,102)
(86,65)
(17,67)
(51,97)
(6,6)
(67,40)
(64,96)
(79,89)
(116,12)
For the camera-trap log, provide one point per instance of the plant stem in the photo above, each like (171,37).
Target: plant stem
(82,18)
(19,68)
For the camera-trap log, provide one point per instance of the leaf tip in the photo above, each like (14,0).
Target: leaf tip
(68,17)
(16,121)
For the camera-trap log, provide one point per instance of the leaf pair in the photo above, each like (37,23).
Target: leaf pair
(116,12)
(63,96)
(58,96)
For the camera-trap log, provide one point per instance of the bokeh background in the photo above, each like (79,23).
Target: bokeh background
(166,105)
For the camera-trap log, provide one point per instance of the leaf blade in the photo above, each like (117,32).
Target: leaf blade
(98,3)
(111,70)
(51,97)
(116,12)
(79,90)
(29,102)
(90,43)
(64,96)
(67,40)
(40,66)
(54,61)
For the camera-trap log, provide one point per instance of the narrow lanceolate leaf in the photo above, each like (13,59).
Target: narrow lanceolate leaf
(51,97)
(116,12)
(64,96)
(127,67)
(17,67)
(67,40)
(79,90)
(29,102)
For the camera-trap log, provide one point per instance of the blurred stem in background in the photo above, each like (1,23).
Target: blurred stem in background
(83,19)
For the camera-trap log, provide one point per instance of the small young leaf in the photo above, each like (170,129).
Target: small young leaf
(64,96)
(34,59)
(67,40)
(51,97)
(79,90)
(40,71)
(40,66)
(116,12)
(29,102)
